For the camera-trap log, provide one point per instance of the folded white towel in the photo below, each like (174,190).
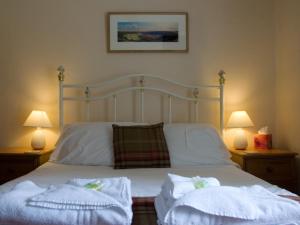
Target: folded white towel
(161,208)
(64,204)
(176,186)
(67,196)
(232,206)
(117,187)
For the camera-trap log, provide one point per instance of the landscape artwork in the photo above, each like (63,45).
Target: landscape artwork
(134,32)
(147,32)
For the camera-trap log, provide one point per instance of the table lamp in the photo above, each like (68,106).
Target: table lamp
(240,120)
(38,119)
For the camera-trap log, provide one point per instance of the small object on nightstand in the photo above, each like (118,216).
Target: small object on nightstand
(274,166)
(263,140)
(15,162)
(38,119)
(240,120)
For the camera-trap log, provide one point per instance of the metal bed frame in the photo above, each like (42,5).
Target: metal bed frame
(142,87)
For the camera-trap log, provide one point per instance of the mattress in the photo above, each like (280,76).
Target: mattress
(146,182)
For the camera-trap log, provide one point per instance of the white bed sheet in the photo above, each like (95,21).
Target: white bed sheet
(145,182)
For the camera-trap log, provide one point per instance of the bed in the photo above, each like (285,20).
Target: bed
(146,183)
(93,162)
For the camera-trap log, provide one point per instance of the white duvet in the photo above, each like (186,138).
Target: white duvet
(145,182)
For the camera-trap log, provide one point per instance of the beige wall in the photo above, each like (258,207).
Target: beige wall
(37,36)
(288,75)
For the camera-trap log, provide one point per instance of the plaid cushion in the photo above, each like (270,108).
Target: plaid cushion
(143,211)
(140,147)
(143,204)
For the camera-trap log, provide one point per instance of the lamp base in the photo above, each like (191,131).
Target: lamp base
(38,139)
(240,141)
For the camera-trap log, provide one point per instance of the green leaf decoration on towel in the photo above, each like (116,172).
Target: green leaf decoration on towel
(96,186)
(198,184)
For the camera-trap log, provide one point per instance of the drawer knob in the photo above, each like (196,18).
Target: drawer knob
(269,169)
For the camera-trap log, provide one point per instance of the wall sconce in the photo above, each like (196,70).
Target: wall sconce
(240,119)
(38,119)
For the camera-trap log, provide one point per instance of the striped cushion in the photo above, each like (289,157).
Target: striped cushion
(140,147)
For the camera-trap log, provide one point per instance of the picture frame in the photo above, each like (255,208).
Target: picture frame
(147,32)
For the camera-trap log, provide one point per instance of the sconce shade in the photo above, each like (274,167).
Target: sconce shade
(239,119)
(38,119)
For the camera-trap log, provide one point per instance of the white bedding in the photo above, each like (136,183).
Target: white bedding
(145,182)
(251,205)
(66,204)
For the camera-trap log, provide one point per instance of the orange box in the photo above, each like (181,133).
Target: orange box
(263,141)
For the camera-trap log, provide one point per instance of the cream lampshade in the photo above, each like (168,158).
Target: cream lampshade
(240,119)
(38,119)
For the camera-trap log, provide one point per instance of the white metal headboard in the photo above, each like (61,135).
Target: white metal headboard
(141,88)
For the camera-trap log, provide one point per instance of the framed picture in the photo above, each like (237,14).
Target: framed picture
(147,32)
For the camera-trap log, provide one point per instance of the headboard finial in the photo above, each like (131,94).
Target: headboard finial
(222,78)
(61,71)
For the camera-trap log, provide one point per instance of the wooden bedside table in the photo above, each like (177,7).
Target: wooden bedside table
(274,165)
(15,162)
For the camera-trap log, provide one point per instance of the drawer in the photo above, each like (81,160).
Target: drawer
(10,171)
(16,164)
(275,169)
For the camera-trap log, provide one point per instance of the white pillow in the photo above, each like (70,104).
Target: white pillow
(195,144)
(86,144)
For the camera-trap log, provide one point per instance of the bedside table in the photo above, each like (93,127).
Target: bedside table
(274,166)
(15,162)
